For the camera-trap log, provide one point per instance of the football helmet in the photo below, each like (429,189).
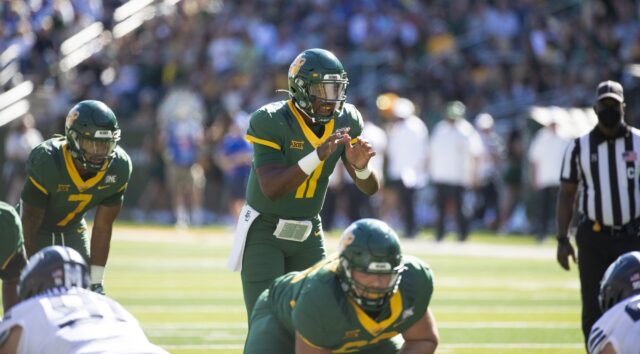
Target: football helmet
(317,75)
(370,246)
(621,280)
(53,267)
(92,133)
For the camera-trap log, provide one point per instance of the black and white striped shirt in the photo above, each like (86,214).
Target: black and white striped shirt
(607,171)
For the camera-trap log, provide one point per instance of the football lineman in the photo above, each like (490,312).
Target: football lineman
(370,299)
(618,330)
(12,255)
(297,144)
(66,176)
(57,315)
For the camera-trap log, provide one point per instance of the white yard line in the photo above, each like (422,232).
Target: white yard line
(221,238)
(440,347)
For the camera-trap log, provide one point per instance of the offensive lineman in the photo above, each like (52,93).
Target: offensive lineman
(12,255)
(66,176)
(618,330)
(57,315)
(297,144)
(359,302)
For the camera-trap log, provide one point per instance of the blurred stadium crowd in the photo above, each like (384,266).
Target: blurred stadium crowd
(213,62)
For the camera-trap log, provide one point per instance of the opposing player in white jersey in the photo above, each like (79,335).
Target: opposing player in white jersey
(618,330)
(57,314)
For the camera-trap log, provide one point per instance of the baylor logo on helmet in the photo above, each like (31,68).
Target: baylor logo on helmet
(71,117)
(296,65)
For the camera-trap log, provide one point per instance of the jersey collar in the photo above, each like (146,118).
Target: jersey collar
(81,184)
(311,137)
(373,327)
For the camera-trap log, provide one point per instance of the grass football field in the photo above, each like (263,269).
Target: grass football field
(492,294)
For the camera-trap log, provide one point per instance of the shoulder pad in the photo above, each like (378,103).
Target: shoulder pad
(123,160)
(417,278)
(353,119)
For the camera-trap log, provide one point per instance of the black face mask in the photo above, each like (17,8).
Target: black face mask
(610,117)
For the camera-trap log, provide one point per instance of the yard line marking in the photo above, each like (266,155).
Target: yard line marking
(441,346)
(206,326)
(439,308)
(513,345)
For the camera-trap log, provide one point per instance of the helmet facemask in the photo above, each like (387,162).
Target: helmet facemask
(371,297)
(93,151)
(318,85)
(327,98)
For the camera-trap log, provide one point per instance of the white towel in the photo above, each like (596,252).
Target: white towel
(245,219)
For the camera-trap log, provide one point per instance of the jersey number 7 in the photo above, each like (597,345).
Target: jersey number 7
(84,199)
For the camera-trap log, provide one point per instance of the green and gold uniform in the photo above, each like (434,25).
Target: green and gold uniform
(53,183)
(313,303)
(280,136)
(12,256)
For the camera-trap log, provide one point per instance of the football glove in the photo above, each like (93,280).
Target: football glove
(98,288)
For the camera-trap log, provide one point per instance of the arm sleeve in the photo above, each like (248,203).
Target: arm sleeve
(570,162)
(266,139)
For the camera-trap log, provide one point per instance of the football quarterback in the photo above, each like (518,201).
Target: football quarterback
(68,175)
(296,146)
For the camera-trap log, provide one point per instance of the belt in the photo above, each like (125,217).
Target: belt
(630,229)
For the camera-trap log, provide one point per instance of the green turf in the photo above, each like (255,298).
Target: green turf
(186,300)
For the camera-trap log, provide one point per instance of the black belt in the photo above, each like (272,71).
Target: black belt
(630,229)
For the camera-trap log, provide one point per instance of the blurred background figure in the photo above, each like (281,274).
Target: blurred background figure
(234,156)
(406,157)
(371,206)
(512,177)
(545,162)
(487,200)
(500,57)
(19,142)
(181,114)
(454,155)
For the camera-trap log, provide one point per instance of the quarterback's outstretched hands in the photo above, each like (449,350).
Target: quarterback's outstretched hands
(340,136)
(359,154)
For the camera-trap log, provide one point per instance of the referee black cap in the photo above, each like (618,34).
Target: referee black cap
(611,89)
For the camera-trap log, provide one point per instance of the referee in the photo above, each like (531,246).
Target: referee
(604,165)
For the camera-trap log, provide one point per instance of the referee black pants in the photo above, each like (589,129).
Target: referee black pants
(596,251)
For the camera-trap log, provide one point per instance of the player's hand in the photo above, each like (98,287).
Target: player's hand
(359,154)
(340,136)
(565,250)
(97,288)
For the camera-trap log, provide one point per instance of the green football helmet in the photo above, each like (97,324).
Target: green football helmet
(317,75)
(370,246)
(92,133)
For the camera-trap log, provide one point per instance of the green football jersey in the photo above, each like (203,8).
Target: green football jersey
(313,303)
(63,193)
(281,136)
(12,239)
